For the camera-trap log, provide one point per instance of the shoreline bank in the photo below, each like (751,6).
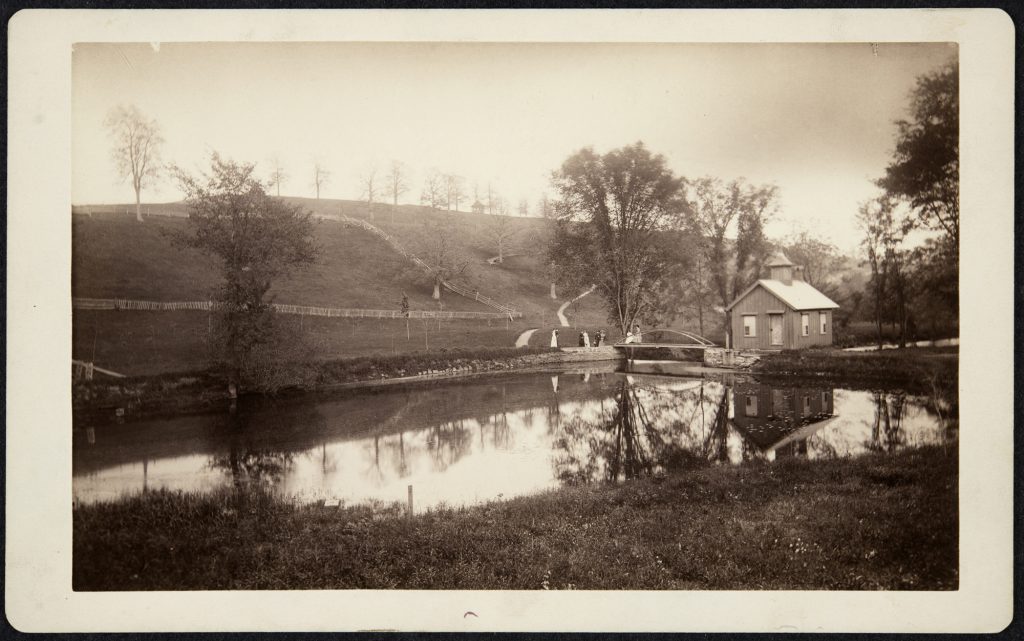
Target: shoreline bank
(873,522)
(196,392)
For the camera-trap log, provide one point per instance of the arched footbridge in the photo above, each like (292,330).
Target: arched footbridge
(669,338)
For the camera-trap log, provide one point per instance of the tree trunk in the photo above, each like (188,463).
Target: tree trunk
(138,206)
(437,291)
(501,256)
(553,297)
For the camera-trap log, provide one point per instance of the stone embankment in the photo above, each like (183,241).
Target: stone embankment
(729,358)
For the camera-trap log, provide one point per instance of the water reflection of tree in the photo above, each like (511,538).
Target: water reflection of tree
(642,430)
(887,426)
(260,441)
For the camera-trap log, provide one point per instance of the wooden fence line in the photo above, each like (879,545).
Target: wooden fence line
(304,310)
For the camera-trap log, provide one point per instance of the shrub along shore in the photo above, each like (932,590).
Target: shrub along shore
(207,390)
(921,370)
(874,522)
(928,370)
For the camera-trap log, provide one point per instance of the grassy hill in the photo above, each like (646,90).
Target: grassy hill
(115,256)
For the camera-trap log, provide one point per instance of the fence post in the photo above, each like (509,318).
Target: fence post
(409,513)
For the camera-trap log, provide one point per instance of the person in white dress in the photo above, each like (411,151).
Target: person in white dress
(554,338)
(586,339)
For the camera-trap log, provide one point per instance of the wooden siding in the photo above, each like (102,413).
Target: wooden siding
(760,302)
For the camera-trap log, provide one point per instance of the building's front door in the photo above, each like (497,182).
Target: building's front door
(775,328)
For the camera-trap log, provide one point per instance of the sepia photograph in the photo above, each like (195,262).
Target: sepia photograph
(484,315)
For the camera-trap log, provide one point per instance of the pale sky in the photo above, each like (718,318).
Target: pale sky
(816,120)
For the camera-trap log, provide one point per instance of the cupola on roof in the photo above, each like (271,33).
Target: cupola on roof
(778,260)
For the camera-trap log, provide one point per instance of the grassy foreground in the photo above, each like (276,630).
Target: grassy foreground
(875,522)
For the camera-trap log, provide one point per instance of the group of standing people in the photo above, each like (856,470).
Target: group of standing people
(598,338)
(632,336)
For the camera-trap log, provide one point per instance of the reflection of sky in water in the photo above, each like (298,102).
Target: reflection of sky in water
(463,442)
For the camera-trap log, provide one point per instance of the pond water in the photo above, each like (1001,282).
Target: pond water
(464,441)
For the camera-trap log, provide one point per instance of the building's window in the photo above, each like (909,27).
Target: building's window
(805,324)
(751,407)
(807,405)
(750,326)
(823,322)
(824,401)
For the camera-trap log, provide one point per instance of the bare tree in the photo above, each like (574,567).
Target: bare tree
(371,187)
(501,230)
(136,148)
(396,183)
(524,208)
(438,249)
(492,196)
(277,175)
(433,194)
(320,177)
(548,214)
(454,193)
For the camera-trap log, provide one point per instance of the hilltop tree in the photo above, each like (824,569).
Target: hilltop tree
(371,187)
(277,175)
(320,178)
(925,167)
(433,194)
(524,208)
(397,183)
(258,239)
(612,211)
(454,191)
(136,148)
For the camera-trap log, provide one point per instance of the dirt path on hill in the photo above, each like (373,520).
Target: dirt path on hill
(561,310)
(523,340)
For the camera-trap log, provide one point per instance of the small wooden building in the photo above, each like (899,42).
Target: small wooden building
(478,207)
(782,311)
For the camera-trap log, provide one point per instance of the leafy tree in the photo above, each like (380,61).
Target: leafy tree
(820,259)
(925,167)
(612,209)
(883,245)
(934,286)
(136,148)
(718,210)
(258,238)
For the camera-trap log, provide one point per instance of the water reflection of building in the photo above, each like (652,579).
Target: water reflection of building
(776,421)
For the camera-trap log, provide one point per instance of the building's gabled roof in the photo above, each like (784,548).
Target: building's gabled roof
(798,295)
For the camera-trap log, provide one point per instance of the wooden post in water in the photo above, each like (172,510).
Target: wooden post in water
(409,513)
